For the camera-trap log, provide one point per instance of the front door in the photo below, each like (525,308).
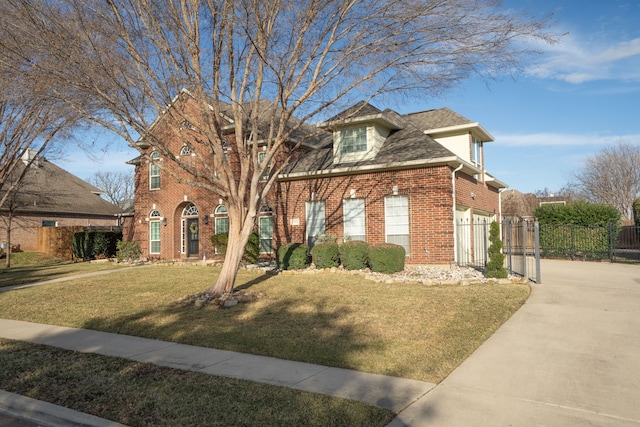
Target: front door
(193,237)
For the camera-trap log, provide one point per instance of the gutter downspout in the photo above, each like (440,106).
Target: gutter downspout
(455,236)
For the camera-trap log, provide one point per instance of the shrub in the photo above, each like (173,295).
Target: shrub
(128,251)
(495,265)
(324,238)
(220,241)
(386,258)
(579,230)
(325,255)
(251,251)
(93,244)
(293,256)
(354,255)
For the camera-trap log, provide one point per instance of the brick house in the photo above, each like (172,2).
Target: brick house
(366,174)
(49,196)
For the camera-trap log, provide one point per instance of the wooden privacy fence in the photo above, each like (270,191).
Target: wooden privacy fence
(57,241)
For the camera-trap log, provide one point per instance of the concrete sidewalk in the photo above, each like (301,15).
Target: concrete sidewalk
(569,357)
(378,390)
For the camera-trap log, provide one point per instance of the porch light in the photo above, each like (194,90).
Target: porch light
(164,221)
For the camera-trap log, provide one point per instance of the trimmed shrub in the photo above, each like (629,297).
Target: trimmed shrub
(579,230)
(386,258)
(354,255)
(95,244)
(251,251)
(220,242)
(495,265)
(292,256)
(128,251)
(325,255)
(324,238)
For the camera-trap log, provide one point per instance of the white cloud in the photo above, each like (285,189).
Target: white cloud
(562,139)
(575,60)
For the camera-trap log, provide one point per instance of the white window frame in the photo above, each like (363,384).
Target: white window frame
(397,221)
(354,219)
(155,232)
(266,240)
(221,217)
(267,171)
(353,140)
(476,151)
(154,171)
(315,220)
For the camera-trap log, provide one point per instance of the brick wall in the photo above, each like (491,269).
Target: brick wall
(429,191)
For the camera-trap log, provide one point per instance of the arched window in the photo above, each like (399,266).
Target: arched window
(154,171)
(190,210)
(154,231)
(222,219)
(186,151)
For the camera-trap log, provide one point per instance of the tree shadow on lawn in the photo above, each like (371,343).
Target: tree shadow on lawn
(289,328)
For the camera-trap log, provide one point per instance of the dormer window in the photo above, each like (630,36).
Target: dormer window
(476,155)
(353,140)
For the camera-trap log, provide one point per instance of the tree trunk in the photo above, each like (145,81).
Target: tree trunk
(8,248)
(238,238)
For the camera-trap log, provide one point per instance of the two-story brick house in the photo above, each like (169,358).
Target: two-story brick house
(370,175)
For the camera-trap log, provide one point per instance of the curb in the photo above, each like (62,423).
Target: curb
(46,414)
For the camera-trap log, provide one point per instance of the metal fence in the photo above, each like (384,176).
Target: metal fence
(570,241)
(520,245)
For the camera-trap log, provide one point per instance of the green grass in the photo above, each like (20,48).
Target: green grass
(407,330)
(30,267)
(139,394)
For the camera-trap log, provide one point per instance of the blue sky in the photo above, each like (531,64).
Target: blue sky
(580,95)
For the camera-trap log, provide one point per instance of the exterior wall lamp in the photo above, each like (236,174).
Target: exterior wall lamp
(164,221)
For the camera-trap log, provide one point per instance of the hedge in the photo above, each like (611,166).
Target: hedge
(354,255)
(325,255)
(251,255)
(386,258)
(96,244)
(292,256)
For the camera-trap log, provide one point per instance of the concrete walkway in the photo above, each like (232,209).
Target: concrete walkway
(569,357)
(378,390)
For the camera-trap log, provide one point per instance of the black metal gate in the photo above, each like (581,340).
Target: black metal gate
(520,245)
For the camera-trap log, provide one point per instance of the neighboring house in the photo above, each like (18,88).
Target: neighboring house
(49,196)
(366,174)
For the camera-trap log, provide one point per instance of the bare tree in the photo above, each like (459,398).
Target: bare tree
(612,177)
(307,57)
(32,115)
(118,187)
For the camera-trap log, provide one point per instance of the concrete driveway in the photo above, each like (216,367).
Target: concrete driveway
(569,357)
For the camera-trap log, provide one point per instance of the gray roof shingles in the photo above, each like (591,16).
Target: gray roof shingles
(403,145)
(48,188)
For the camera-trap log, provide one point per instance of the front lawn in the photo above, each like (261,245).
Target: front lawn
(406,330)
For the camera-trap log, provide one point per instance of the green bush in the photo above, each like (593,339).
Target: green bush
(293,256)
(579,230)
(354,255)
(95,244)
(386,258)
(495,265)
(128,251)
(325,255)
(251,254)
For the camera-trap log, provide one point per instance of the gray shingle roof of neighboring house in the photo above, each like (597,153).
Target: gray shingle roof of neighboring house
(50,189)
(406,143)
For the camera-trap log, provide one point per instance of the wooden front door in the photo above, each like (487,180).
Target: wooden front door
(193,237)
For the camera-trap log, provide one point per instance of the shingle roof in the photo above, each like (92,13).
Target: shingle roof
(408,144)
(48,188)
(436,119)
